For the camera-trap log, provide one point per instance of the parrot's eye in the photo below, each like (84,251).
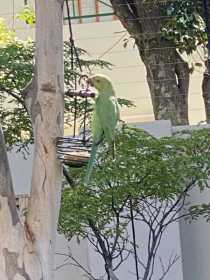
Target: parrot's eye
(97,81)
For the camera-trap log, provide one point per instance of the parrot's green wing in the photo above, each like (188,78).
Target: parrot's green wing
(107,110)
(96,128)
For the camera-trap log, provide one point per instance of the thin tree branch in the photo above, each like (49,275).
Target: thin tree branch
(77,263)
(14,95)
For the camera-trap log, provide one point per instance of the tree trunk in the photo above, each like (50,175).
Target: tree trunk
(27,251)
(167,72)
(47,121)
(206,90)
(168,80)
(18,259)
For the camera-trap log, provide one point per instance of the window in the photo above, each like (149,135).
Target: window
(84,11)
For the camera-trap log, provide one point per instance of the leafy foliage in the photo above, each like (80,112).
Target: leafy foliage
(16,68)
(184,25)
(27,15)
(16,65)
(201,210)
(6,35)
(155,174)
(143,167)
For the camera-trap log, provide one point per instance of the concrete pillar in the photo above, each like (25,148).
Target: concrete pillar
(195,242)
(195,236)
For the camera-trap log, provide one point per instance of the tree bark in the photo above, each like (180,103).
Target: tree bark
(27,251)
(47,121)
(168,80)
(167,72)
(18,259)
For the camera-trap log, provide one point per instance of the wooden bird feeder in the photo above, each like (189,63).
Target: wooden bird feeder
(75,150)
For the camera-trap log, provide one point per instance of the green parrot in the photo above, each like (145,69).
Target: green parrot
(105,116)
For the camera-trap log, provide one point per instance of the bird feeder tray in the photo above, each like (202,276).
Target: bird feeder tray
(73,151)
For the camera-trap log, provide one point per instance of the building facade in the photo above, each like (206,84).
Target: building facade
(96,30)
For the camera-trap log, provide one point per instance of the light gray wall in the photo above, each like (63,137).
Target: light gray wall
(195,242)
(195,236)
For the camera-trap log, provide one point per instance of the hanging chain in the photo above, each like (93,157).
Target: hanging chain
(78,62)
(73,48)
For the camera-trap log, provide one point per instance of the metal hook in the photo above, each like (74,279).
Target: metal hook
(83,81)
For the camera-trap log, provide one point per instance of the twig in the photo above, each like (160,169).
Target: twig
(77,263)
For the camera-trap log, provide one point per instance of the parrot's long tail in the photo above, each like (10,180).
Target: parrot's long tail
(91,163)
